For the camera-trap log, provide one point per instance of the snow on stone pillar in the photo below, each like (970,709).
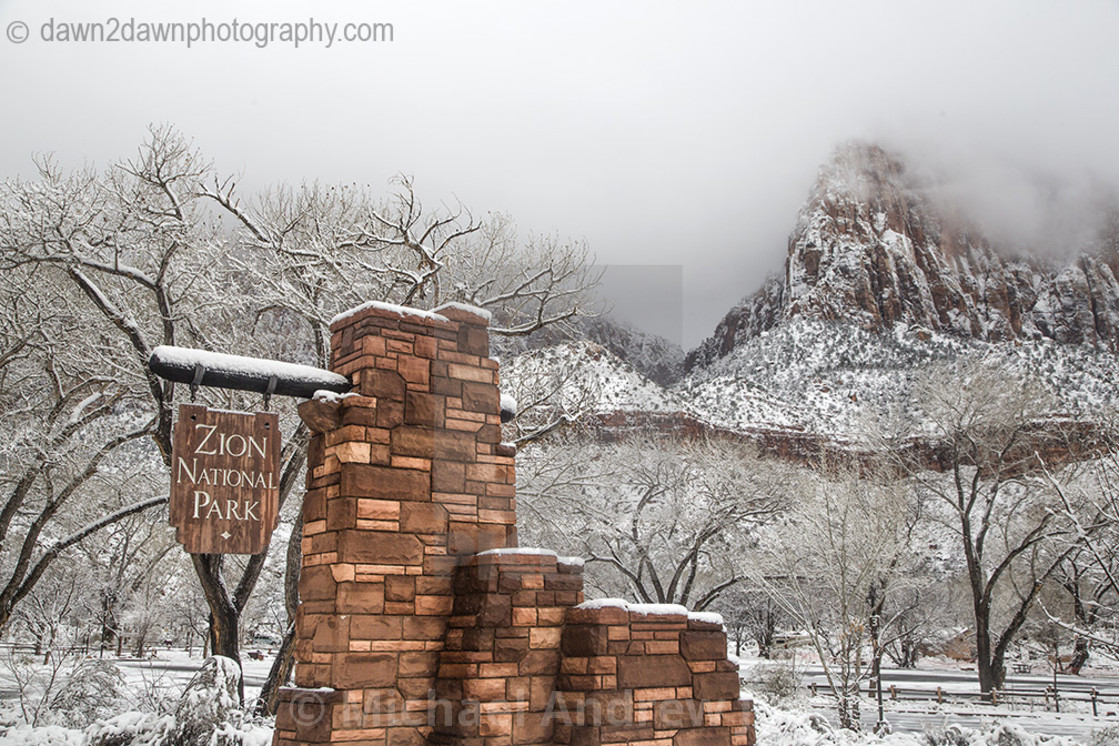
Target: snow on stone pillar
(405,475)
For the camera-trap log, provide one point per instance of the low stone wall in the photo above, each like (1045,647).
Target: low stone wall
(501,656)
(648,673)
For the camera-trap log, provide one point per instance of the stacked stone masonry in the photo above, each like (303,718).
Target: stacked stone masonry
(419,621)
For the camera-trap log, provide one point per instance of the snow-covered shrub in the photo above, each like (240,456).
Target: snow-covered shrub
(950,736)
(777,681)
(209,702)
(208,714)
(47,735)
(132,729)
(993,734)
(92,691)
(154,692)
(1108,736)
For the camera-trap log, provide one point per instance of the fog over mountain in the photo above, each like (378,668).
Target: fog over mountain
(662,135)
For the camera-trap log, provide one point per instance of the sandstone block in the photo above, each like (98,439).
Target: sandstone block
(385,385)
(317,583)
(375,627)
(360,598)
(379,548)
(645,671)
(584,640)
(413,441)
(362,670)
(717,685)
(419,408)
(400,588)
(708,736)
(703,645)
(382,482)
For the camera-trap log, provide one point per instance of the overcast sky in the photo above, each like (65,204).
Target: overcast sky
(662,133)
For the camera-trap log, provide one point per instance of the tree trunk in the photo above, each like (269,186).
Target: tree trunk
(1080,610)
(988,661)
(278,675)
(908,654)
(849,716)
(224,634)
(225,617)
(282,667)
(1080,655)
(992,667)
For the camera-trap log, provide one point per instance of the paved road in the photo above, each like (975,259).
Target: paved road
(188,669)
(967,681)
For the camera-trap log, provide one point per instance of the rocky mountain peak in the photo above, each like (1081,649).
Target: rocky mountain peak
(872,247)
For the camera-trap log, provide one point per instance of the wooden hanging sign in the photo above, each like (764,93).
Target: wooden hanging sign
(225,480)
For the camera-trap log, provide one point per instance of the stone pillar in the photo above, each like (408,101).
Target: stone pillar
(405,475)
(419,619)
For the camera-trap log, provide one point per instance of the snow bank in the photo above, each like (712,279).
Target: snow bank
(132,728)
(775,727)
(330,396)
(602,603)
(788,728)
(709,617)
(658,609)
(47,735)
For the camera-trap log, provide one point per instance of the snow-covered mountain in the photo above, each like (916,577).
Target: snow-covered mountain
(881,281)
(872,247)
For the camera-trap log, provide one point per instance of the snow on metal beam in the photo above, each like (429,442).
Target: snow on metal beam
(203,368)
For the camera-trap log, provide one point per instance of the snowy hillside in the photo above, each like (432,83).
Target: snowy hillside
(882,283)
(821,377)
(832,378)
(585,375)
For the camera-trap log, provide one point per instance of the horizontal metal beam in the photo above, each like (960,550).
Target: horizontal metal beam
(267,377)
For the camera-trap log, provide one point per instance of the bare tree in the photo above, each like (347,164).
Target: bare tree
(995,495)
(832,564)
(751,614)
(1088,576)
(68,431)
(920,615)
(666,521)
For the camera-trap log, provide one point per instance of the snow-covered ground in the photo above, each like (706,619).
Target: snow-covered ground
(145,689)
(833,378)
(919,713)
(778,727)
(800,720)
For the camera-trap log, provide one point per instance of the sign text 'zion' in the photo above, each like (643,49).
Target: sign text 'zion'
(224,480)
